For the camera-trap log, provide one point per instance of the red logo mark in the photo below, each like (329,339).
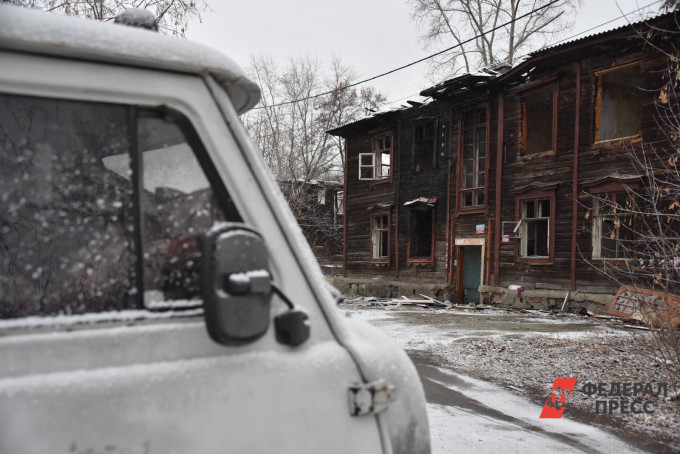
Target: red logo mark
(554,407)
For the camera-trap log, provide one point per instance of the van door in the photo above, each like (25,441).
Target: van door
(108,184)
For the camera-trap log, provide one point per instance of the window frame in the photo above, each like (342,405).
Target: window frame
(598,102)
(376,164)
(526,92)
(536,195)
(374,216)
(367,166)
(597,218)
(460,208)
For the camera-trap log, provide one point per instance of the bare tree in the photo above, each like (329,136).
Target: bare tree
(447,23)
(172,16)
(289,126)
(644,223)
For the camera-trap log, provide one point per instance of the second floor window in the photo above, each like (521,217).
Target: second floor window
(539,120)
(424,146)
(472,179)
(377,165)
(617,107)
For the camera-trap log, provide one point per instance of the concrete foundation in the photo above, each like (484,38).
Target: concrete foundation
(381,288)
(544,299)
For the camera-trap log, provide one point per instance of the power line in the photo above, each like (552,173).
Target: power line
(417,61)
(354,84)
(563,40)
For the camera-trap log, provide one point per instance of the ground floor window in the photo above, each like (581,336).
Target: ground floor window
(613,232)
(380,237)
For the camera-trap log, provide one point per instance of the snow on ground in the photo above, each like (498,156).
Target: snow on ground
(523,354)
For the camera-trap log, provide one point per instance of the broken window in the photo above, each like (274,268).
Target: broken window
(618,104)
(424,146)
(339,200)
(535,228)
(539,120)
(380,236)
(472,180)
(421,233)
(613,232)
(377,165)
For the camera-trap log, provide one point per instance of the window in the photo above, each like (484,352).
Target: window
(321,196)
(377,165)
(421,234)
(70,237)
(380,237)
(472,179)
(618,104)
(366,166)
(424,146)
(536,227)
(613,230)
(539,120)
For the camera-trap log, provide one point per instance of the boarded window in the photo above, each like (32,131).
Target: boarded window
(535,228)
(421,233)
(613,229)
(538,120)
(380,236)
(618,104)
(424,146)
(472,180)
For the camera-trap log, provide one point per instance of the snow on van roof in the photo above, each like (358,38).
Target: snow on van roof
(35,31)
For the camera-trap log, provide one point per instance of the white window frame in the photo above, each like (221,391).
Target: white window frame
(598,218)
(367,166)
(378,230)
(525,224)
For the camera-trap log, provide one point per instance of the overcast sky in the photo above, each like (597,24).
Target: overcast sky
(373,36)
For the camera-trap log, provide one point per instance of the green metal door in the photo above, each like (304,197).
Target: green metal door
(472,271)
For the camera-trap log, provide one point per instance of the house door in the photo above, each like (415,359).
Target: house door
(472,272)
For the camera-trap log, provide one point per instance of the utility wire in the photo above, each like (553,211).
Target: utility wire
(560,41)
(354,84)
(417,61)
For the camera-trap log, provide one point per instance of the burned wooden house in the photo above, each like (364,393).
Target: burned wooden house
(494,182)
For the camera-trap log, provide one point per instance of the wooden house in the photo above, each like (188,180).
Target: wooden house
(493,184)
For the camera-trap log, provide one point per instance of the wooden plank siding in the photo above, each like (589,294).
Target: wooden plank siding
(573,71)
(430,183)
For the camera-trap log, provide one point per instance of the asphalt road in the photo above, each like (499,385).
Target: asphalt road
(443,389)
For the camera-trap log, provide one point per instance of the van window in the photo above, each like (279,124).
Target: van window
(76,233)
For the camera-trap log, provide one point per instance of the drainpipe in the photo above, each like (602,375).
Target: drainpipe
(499,179)
(449,234)
(574,217)
(344,212)
(397,146)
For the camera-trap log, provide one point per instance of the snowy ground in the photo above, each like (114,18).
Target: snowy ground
(507,361)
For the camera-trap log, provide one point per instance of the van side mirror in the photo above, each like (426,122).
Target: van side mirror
(237,287)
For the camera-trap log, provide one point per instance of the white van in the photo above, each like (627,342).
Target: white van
(156,294)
